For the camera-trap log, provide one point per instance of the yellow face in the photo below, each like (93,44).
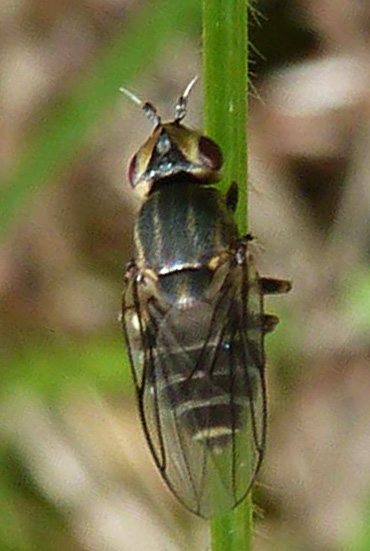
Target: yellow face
(173,149)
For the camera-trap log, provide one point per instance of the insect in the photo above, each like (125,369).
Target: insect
(194,322)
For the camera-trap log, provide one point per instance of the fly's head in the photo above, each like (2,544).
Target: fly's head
(173,149)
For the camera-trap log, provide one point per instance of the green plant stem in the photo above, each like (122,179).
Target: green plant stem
(225,50)
(225,89)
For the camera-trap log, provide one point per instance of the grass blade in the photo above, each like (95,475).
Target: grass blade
(56,144)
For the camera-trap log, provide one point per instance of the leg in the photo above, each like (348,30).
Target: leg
(271,286)
(269,322)
(231,197)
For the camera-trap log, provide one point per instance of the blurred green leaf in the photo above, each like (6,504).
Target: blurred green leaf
(359,533)
(50,366)
(356,298)
(50,150)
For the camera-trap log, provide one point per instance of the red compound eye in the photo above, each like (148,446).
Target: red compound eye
(210,152)
(132,170)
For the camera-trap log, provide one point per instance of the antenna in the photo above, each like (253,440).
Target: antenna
(182,103)
(149,109)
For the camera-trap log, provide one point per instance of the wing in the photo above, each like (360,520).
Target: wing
(199,376)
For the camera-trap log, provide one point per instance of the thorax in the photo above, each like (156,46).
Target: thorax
(182,227)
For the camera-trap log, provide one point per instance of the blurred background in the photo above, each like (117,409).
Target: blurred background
(76,474)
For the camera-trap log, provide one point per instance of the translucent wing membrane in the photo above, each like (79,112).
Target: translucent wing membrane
(199,375)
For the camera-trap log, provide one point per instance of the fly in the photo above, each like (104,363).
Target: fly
(194,322)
